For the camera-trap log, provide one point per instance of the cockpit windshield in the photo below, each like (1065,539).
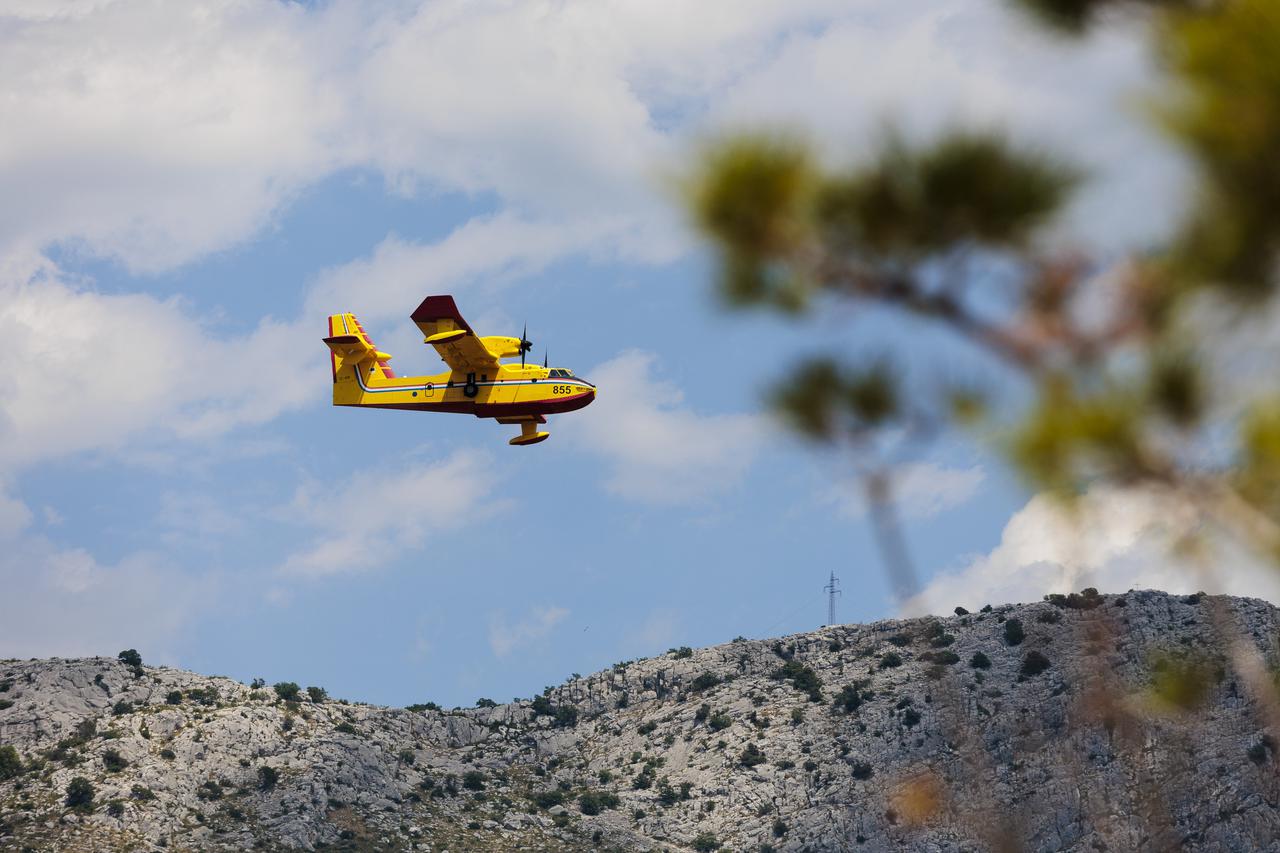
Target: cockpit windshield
(565,373)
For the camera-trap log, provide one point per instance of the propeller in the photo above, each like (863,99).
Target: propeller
(525,343)
(544,358)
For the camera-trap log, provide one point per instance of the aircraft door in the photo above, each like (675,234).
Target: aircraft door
(429,391)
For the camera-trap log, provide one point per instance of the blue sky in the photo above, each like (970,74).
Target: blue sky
(191,187)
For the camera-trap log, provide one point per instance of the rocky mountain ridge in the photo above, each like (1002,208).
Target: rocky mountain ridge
(1089,722)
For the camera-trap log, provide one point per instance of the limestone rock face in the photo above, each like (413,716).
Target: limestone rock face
(1142,721)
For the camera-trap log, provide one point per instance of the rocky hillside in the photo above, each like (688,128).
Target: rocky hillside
(1086,723)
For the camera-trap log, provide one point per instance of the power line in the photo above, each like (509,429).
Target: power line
(832,590)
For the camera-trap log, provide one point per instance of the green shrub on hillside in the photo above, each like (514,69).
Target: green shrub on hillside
(287,691)
(113,761)
(706,842)
(79,794)
(802,678)
(10,763)
(1013,633)
(751,756)
(593,802)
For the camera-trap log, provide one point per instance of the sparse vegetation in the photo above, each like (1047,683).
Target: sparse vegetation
(113,761)
(210,790)
(802,678)
(851,697)
(1013,632)
(705,681)
(287,691)
(751,756)
(10,763)
(130,657)
(945,657)
(705,842)
(980,661)
(1087,599)
(548,798)
(593,802)
(889,660)
(423,706)
(79,794)
(1033,664)
(317,694)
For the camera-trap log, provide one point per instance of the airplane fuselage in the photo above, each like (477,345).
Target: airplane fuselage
(506,392)
(514,392)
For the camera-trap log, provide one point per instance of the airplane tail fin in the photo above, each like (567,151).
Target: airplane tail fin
(354,358)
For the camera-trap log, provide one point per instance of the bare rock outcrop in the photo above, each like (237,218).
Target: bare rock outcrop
(1092,722)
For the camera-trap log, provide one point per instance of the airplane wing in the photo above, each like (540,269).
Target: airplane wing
(443,327)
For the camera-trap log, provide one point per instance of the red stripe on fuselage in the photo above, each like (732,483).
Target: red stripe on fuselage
(493,410)
(333,356)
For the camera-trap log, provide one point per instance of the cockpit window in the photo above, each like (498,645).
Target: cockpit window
(565,373)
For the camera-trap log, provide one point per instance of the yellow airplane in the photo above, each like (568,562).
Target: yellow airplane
(476,383)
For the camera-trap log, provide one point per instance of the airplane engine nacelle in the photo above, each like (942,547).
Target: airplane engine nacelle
(502,347)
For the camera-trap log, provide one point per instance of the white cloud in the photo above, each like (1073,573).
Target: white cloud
(926,66)
(505,637)
(88,371)
(62,601)
(658,449)
(157,133)
(920,490)
(15,515)
(366,518)
(391,282)
(1114,540)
